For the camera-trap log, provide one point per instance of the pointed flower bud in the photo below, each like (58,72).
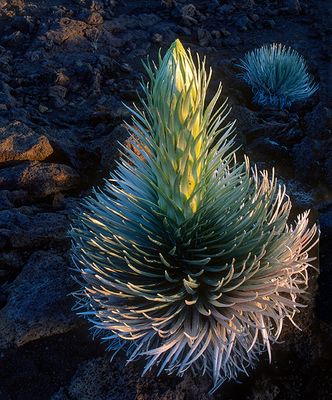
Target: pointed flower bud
(177,91)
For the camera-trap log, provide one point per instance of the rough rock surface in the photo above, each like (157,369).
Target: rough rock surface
(37,304)
(94,380)
(39,179)
(30,227)
(18,142)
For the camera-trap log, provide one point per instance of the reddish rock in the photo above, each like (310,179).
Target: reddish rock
(19,142)
(39,179)
(69,29)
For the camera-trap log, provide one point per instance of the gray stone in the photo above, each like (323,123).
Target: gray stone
(226,9)
(304,157)
(266,147)
(232,41)
(293,6)
(265,389)
(328,169)
(60,395)
(242,22)
(316,123)
(109,148)
(57,91)
(94,379)
(11,259)
(204,37)
(5,95)
(38,304)
(10,264)
(28,227)
(10,199)
(123,22)
(325,220)
(300,195)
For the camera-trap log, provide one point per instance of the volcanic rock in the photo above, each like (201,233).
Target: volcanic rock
(39,179)
(37,304)
(19,142)
(31,227)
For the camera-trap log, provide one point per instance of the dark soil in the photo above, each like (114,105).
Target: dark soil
(66,66)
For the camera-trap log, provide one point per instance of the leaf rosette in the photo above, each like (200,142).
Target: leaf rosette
(185,255)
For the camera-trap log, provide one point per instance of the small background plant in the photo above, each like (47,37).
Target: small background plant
(278,75)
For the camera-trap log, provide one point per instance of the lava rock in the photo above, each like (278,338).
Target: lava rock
(68,29)
(109,109)
(58,94)
(109,148)
(247,121)
(68,142)
(316,123)
(5,202)
(289,137)
(19,142)
(93,380)
(123,22)
(304,157)
(10,265)
(324,304)
(57,91)
(328,168)
(268,148)
(242,23)
(28,227)
(190,14)
(226,9)
(15,39)
(270,23)
(264,389)
(204,37)
(38,304)
(157,38)
(6,98)
(39,179)
(325,220)
(232,41)
(10,199)
(302,196)
(292,5)
(95,19)
(24,24)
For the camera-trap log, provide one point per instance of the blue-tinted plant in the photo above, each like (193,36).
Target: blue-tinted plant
(277,75)
(185,255)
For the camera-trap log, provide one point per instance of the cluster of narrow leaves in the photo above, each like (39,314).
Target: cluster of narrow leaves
(185,255)
(278,75)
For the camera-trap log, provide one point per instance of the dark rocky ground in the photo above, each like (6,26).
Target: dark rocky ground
(65,68)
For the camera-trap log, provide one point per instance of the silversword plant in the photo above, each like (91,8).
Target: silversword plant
(185,255)
(278,75)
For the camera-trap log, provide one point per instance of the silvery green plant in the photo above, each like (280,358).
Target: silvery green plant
(278,75)
(185,255)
